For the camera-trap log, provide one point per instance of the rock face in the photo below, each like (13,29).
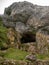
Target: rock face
(22,15)
(29,47)
(42,38)
(28,24)
(27,19)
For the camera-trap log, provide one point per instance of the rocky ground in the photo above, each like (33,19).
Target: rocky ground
(24,35)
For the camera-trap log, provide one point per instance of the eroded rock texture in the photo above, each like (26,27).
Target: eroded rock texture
(29,24)
(27,19)
(42,38)
(25,14)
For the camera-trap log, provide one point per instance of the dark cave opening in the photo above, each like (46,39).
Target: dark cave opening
(28,37)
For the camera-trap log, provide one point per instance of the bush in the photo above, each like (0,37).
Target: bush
(3,35)
(8,11)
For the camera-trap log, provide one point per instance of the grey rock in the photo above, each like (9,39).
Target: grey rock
(31,57)
(42,36)
(21,27)
(27,14)
(44,30)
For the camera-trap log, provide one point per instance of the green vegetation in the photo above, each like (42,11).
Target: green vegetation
(3,37)
(8,11)
(42,56)
(10,53)
(16,54)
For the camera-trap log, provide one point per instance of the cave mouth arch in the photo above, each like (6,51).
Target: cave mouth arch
(28,37)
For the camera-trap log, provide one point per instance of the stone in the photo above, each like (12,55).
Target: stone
(42,39)
(29,47)
(31,57)
(32,49)
(42,62)
(24,16)
(1,60)
(13,62)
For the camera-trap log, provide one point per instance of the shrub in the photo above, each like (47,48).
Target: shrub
(3,35)
(8,11)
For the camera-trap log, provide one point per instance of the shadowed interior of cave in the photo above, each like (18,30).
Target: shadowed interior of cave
(28,37)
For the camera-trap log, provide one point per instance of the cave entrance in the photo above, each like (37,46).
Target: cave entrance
(28,37)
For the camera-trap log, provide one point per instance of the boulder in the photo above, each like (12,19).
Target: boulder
(31,57)
(24,16)
(28,21)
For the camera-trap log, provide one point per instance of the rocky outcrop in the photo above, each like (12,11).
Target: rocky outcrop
(13,38)
(26,19)
(28,24)
(29,47)
(23,15)
(42,38)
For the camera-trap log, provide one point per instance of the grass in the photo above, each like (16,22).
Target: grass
(42,56)
(16,54)
(3,34)
(11,53)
